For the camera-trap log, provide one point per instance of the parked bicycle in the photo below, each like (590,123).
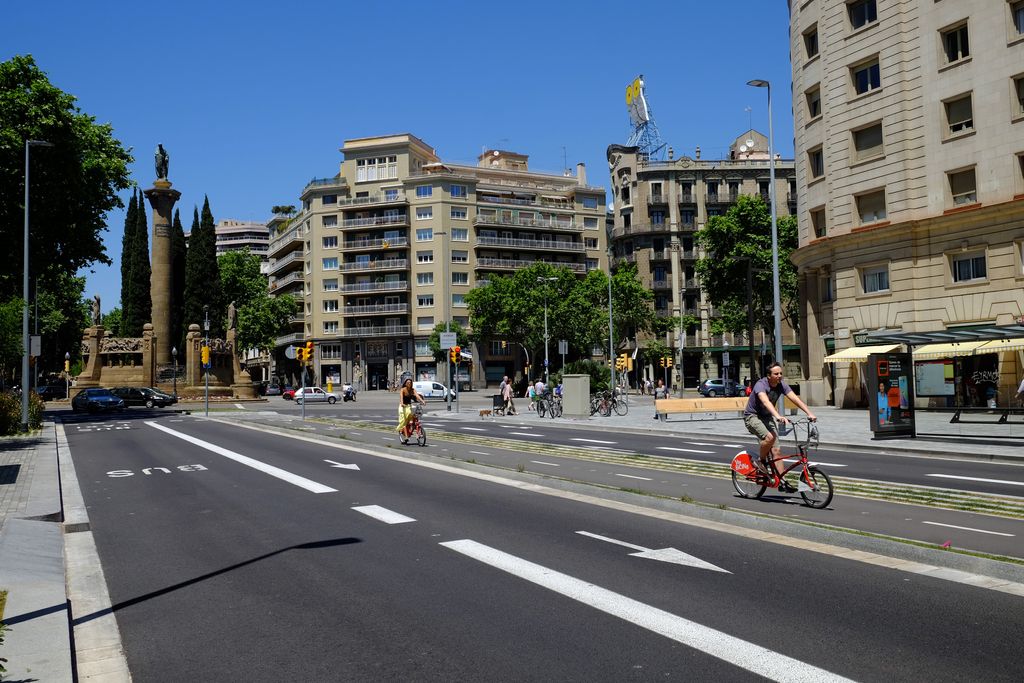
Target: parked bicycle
(813,485)
(549,405)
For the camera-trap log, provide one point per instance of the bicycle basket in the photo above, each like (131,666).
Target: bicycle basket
(417,410)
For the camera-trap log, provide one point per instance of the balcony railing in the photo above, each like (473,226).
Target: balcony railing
(321,183)
(391,243)
(558,245)
(371,221)
(691,283)
(297,319)
(551,224)
(687,199)
(293,277)
(662,255)
(521,201)
(287,262)
(657,199)
(277,244)
(661,284)
(515,264)
(379,264)
(372,309)
(398,198)
(639,229)
(385,331)
(293,338)
(721,198)
(384,286)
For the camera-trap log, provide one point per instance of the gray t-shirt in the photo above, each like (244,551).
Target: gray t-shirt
(754,405)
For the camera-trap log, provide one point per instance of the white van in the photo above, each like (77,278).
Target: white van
(431,390)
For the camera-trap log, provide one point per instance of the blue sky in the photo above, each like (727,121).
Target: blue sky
(254,99)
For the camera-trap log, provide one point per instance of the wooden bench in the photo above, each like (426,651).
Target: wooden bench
(666,406)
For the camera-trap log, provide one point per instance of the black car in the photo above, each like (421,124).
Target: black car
(144,396)
(52,392)
(719,387)
(96,400)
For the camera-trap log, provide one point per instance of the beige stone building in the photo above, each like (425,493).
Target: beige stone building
(909,130)
(388,248)
(658,207)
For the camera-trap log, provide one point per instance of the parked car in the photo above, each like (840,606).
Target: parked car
(434,390)
(314,395)
(144,396)
(273,390)
(287,393)
(96,400)
(719,387)
(52,392)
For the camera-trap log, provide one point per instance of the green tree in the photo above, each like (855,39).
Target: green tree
(633,309)
(178,252)
(112,322)
(10,340)
(261,318)
(731,243)
(131,220)
(202,277)
(139,275)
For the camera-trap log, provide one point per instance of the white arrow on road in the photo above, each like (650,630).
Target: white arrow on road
(346,467)
(663,554)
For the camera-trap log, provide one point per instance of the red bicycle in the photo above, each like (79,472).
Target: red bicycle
(813,485)
(414,426)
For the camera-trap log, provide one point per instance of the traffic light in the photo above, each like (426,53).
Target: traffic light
(661,361)
(309,352)
(455,354)
(621,362)
(668,361)
(204,356)
(67,366)
(300,353)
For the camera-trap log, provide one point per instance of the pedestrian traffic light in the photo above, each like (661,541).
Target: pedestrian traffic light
(204,355)
(309,352)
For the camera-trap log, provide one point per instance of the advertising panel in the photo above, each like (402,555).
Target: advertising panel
(636,102)
(934,378)
(891,394)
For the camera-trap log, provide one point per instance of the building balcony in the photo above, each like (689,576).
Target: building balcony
(551,202)
(486,263)
(385,331)
(657,199)
(375,265)
(294,277)
(662,255)
(661,284)
(541,245)
(288,339)
(721,198)
(382,286)
(372,200)
(546,223)
(625,258)
(375,244)
(375,221)
(289,241)
(687,226)
(374,309)
(691,283)
(337,183)
(687,199)
(292,261)
(638,229)
(297,319)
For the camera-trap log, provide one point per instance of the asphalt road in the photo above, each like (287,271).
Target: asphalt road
(222,571)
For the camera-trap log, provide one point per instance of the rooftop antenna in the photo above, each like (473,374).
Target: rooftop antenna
(565,164)
(645,136)
(750,118)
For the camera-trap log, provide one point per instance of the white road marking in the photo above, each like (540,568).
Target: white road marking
(383,514)
(609,443)
(527,434)
(737,651)
(987,481)
(664,554)
(283,475)
(514,427)
(681,450)
(967,528)
(479,453)
(473,429)
(733,445)
(240,406)
(630,476)
(347,467)
(549,464)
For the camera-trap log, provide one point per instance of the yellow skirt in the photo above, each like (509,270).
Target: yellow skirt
(404,415)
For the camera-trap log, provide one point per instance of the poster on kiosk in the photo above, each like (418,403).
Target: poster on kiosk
(891,394)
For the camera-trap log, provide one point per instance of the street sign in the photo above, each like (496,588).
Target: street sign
(563,346)
(725,358)
(448,340)
(289,352)
(36,345)
(545,362)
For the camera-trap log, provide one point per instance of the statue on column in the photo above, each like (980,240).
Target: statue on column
(232,316)
(96,318)
(162,160)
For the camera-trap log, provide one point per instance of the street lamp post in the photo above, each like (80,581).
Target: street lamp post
(24,311)
(174,355)
(67,375)
(546,280)
(776,298)
(206,343)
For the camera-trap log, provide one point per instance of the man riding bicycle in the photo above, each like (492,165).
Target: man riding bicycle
(761,418)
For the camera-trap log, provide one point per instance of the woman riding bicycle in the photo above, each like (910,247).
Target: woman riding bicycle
(760,416)
(406,396)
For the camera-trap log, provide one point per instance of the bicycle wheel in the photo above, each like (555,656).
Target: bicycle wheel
(821,483)
(556,409)
(421,435)
(595,405)
(542,407)
(606,407)
(620,406)
(748,488)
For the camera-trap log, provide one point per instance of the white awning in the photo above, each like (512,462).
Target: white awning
(947,350)
(859,354)
(1000,345)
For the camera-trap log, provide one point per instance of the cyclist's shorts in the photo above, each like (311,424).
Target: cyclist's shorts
(760,426)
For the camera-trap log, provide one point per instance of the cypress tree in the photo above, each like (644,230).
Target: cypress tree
(127,249)
(178,250)
(202,276)
(218,307)
(142,301)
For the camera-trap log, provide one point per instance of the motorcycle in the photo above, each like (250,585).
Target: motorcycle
(348,392)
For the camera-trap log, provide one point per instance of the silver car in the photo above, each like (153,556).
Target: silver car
(314,395)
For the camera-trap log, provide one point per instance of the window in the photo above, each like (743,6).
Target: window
(331,351)
(1018,97)
(425,322)
(460,234)
(459,191)
(963,187)
(391,194)
(955,44)
(330,305)
(816,162)
(875,279)
(871,207)
(459,300)
(330,242)
(423,347)
(862,13)
(459,213)
(424,213)
(1017,13)
(424,278)
(811,42)
(867,142)
(959,115)
(376,168)
(500,348)
(590,242)
(425,300)
(424,190)
(866,76)
(330,221)
(658,217)
(424,257)
(460,278)
(625,194)
(329,199)
(818,222)
(331,327)
(329,263)
(827,290)
(460,256)
(813,102)
(590,223)
(590,202)
(687,216)
(331,285)
(591,264)
(968,267)
(424,234)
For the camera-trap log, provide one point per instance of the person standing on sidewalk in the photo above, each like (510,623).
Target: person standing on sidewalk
(659,392)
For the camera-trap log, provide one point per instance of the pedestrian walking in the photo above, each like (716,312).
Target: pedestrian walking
(659,392)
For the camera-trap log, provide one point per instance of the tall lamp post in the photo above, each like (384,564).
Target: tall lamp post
(206,370)
(24,312)
(545,280)
(776,298)
(67,375)
(174,355)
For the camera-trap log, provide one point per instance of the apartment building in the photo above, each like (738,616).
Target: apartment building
(235,235)
(387,249)
(909,130)
(658,206)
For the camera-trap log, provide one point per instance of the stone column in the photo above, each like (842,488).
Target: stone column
(162,198)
